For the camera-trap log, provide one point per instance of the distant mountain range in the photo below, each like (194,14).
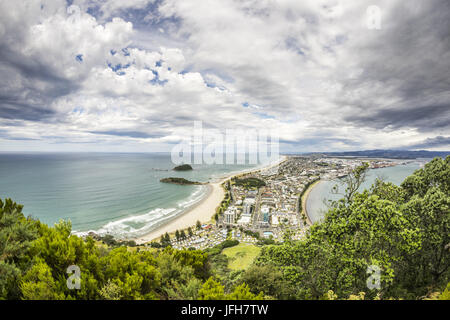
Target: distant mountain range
(391,154)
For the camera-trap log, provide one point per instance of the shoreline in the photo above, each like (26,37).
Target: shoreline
(199,211)
(203,210)
(305,200)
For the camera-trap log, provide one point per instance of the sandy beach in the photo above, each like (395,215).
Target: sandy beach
(305,199)
(203,210)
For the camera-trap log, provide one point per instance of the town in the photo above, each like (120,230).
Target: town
(265,205)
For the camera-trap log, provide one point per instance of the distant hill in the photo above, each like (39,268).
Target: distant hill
(391,154)
(183,167)
(181,181)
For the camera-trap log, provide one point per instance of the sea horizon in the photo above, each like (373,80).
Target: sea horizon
(107,193)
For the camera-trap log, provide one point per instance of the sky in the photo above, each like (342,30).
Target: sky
(134,76)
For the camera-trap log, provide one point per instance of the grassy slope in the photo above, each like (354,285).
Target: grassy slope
(241,256)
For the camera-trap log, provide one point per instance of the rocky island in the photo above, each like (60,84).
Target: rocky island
(181,181)
(183,167)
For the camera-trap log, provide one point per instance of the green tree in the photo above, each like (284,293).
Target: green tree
(111,291)
(353,182)
(59,249)
(268,279)
(242,292)
(39,284)
(16,236)
(134,273)
(211,290)
(427,206)
(165,240)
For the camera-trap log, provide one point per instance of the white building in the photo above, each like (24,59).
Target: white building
(274,220)
(245,219)
(249,201)
(229,217)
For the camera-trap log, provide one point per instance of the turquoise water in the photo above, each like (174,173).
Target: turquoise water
(316,202)
(118,194)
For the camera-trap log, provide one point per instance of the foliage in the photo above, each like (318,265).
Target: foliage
(16,236)
(228,244)
(35,260)
(268,279)
(353,182)
(446,294)
(165,240)
(249,182)
(214,290)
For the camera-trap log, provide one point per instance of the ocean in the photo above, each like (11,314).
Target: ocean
(321,193)
(117,193)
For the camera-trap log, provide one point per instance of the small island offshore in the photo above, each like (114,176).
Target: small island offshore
(183,167)
(181,181)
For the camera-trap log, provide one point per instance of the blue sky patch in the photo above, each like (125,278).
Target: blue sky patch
(118,66)
(79,110)
(264,115)
(125,52)
(156,80)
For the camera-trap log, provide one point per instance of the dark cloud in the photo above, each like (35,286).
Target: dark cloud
(436,142)
(406,61)
(40,86)
(13,110)
(424,118)
(320,141)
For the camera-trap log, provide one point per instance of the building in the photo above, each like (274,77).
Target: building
(248,203)
(252,194)
(274,220)
(229,217)
(245,219)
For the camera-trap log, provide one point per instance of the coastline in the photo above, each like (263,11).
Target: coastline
(305,200)
(203,210)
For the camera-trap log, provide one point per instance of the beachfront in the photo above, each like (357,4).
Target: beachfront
(202,211)
(305,200)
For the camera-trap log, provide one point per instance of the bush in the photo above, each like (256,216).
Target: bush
(228,244)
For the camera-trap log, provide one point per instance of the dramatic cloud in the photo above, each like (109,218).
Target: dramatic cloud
(431,143)
(135,75)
